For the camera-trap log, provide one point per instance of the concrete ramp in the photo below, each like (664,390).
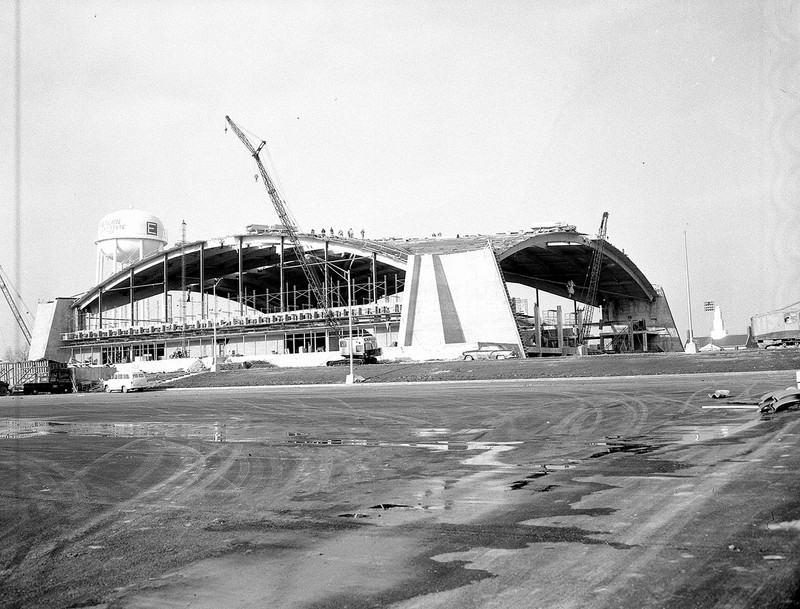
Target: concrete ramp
(456,299)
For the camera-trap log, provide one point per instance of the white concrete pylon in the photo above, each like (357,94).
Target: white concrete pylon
(718,328)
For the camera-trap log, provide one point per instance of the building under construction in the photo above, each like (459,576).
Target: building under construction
(275,291)
(416,296)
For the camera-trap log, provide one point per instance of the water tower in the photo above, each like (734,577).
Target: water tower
(125,237)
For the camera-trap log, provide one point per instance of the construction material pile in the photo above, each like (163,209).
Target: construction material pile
(779,400)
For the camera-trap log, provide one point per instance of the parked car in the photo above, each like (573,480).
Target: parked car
(4,388)
(489,352)
(126,381)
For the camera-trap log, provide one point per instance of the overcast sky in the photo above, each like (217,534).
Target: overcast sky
(408,118)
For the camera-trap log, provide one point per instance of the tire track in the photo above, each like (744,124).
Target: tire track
(154,497)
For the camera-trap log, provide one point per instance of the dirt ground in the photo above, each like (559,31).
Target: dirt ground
(531,368)
(619,492)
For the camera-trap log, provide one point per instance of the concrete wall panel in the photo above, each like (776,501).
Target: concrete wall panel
(456,299)
(51,318)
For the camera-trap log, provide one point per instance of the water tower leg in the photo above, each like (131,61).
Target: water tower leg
(99,267)
(560,329)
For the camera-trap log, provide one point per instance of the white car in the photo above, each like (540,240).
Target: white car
(126,381)
(489,352)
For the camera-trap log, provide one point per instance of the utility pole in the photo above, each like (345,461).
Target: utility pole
(17,219)
(183,288)
(688,289)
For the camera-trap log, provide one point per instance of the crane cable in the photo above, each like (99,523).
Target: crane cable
(273,173)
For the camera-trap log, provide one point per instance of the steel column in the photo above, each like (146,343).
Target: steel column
(133,311)
(166,291)
(326,289)
(203,312)
(374,277)
(280,267)
(241,280)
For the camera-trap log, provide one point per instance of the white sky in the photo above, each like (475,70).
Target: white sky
(408,118)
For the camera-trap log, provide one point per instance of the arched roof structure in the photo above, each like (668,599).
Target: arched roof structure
(548,258)
(545,258)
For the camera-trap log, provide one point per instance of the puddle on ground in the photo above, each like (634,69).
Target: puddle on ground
(211,432)
(434,431)
(245,432)
(518,484)
(484,454)
(791,525)
(382,507)
(640,445)
(636,448)
(491,453)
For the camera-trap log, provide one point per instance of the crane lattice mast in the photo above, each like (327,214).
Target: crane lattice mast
(594,278)
(26,332)
(291,229)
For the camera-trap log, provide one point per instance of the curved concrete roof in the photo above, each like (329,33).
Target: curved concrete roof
(545,258)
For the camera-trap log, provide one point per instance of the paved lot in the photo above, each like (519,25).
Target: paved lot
(623,492)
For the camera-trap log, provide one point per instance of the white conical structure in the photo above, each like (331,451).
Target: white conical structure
(718,327)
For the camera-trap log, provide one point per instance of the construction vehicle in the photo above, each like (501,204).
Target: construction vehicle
(15,310)
(363,349)
(594,281)
(39,376)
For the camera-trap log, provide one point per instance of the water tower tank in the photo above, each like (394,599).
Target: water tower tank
(127,236)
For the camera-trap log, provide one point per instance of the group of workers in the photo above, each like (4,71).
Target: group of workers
(332,233)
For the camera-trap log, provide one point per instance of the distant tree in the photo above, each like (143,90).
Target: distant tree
(14,354)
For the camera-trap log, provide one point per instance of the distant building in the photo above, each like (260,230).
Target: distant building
(729,342)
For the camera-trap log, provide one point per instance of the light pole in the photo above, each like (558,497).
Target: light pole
(214,346)
(690,346)
(350,377)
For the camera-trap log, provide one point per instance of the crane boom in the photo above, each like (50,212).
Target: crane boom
(291,228)
(26,332)
(594,278)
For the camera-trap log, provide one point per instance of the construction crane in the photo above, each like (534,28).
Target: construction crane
(23,326)
(594,278)
(291,229)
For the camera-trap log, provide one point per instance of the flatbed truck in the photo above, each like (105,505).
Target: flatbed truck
(38,376)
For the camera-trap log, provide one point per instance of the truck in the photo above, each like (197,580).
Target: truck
(38,376)
(364,349)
